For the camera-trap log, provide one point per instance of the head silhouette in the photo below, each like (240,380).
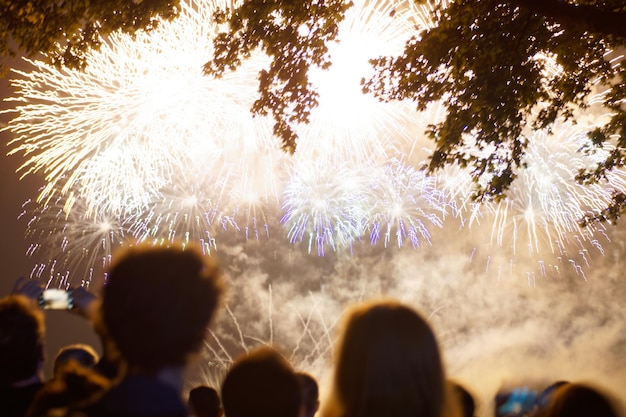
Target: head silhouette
(261,384)
(85,355)
(388,364)
(578,400)
(157,304)
(21,339)
(204,402)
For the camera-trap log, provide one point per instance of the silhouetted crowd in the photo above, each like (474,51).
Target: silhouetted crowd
(152,318)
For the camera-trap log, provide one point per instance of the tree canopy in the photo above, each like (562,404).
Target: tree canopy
(497,66)
(295,35)
(63,31)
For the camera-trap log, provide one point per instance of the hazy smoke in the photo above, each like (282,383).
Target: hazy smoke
(499,318)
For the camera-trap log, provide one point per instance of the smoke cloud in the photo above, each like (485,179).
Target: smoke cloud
(502,318)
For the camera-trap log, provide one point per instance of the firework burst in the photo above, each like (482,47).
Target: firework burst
(143,107)
(325,207)
(539,221)
(546,203)
(405,202)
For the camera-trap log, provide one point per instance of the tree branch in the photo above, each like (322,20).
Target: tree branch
(589,18)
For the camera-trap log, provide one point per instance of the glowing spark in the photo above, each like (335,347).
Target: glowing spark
(67,243)
(541,214)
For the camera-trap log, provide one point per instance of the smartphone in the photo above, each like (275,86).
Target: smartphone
(520,402)
(56,299)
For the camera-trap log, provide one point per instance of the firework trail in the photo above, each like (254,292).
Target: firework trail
(71,241)
(390,202)
(185,212)
(306,332)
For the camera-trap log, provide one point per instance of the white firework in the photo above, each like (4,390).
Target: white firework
(349,125)
(546,203)
(405,204)
(326,208)
(117,131)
